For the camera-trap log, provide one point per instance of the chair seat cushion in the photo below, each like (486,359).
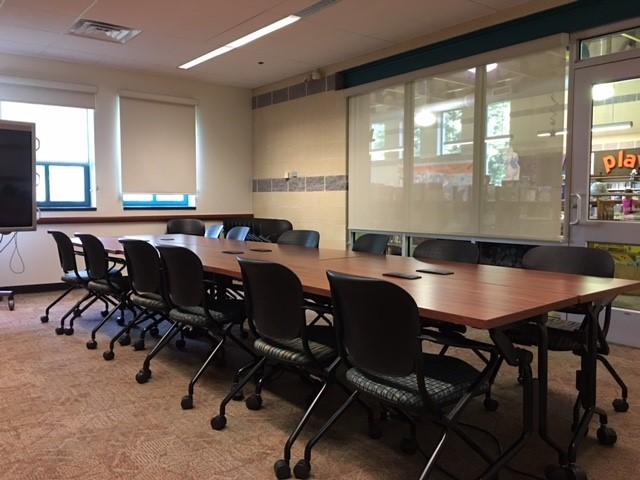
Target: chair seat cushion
(564,335)
(446,380)
(226,311)
(321,344)
(151,301)
(71,277)
(116,285)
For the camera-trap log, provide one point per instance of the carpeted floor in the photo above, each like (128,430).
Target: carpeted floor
(65,413)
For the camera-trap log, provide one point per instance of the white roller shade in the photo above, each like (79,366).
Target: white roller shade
(17,89)
(158,146)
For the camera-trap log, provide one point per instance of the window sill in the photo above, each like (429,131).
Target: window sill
(67,209)
(158,208)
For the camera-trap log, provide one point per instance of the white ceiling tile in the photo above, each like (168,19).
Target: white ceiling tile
(74,7)
(175,32)
(13,13)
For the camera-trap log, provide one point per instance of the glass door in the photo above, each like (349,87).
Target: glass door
(605,176)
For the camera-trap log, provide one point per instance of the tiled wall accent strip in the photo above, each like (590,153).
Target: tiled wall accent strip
(328,183)
(299,90)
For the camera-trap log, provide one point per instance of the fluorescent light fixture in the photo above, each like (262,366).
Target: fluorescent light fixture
(242,41)
(425,118)
(552,133)
(631,37)
(498,138)
(602,91)
(603,127)
(490,68)
(612,127)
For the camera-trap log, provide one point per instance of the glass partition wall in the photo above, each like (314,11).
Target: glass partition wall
(477,152)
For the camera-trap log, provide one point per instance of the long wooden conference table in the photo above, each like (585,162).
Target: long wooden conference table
(478,296)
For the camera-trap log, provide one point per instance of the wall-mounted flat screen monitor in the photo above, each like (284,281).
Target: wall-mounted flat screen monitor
(17,176)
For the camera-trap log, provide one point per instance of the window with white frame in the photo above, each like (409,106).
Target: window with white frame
(64,151)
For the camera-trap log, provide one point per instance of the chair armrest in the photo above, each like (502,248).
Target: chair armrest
(456,340)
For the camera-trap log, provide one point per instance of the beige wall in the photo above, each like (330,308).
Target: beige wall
(223,150)
(299,135)
(307,135)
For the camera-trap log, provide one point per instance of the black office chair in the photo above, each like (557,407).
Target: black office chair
(275,308)
(194,308)
(214,231)
(188,226)
(447,250)
(74,278)
(238,233)
(567,335)
(302,238)
(371,243)
(388,364)
(147,293)
(105,282)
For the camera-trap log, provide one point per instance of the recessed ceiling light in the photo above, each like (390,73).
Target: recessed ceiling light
(425,118)
(283,22)
(602,91)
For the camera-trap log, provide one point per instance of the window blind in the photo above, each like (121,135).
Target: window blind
(158,146)
(17,89)
(476,152)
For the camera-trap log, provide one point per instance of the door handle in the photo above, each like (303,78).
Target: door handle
(578,209)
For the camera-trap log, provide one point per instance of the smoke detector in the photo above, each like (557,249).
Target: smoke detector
(106,32)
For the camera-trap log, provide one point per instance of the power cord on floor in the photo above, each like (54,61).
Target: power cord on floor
(499,447)
(13,239)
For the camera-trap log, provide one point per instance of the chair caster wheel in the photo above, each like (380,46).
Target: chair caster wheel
(409,445)
(607,436)
(520,380)
(92,344)
(187,402)
(154,332)
(568,472)
(68,331)
(120,321)
(620,405)
(108,355)
(59,330)
(12,304)
(282,469)
(124,340)
(490,404)
(138,345)
(181,344)
(302,469)
(44,318)
(104,313)
(143,376)
(239,396)
(219,422)
(253,402)
(375,431)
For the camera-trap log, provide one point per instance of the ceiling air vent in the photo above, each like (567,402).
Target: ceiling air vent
(103,31)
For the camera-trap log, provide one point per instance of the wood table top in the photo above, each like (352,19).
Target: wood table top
(479,296)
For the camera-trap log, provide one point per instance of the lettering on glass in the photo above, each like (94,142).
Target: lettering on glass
(619,162)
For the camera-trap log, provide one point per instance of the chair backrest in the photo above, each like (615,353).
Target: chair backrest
(238,233)
(261,229)
(577,260)
(448,250)
(143,266)
(66,253)
(274,299)
(371,243)
(302,238)
(214,231)
(377,325)
(188,226)
(95,256)
(184,276)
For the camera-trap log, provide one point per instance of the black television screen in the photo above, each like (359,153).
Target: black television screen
(17,174)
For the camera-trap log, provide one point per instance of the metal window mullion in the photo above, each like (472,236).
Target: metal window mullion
(479,150)
(408,160)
